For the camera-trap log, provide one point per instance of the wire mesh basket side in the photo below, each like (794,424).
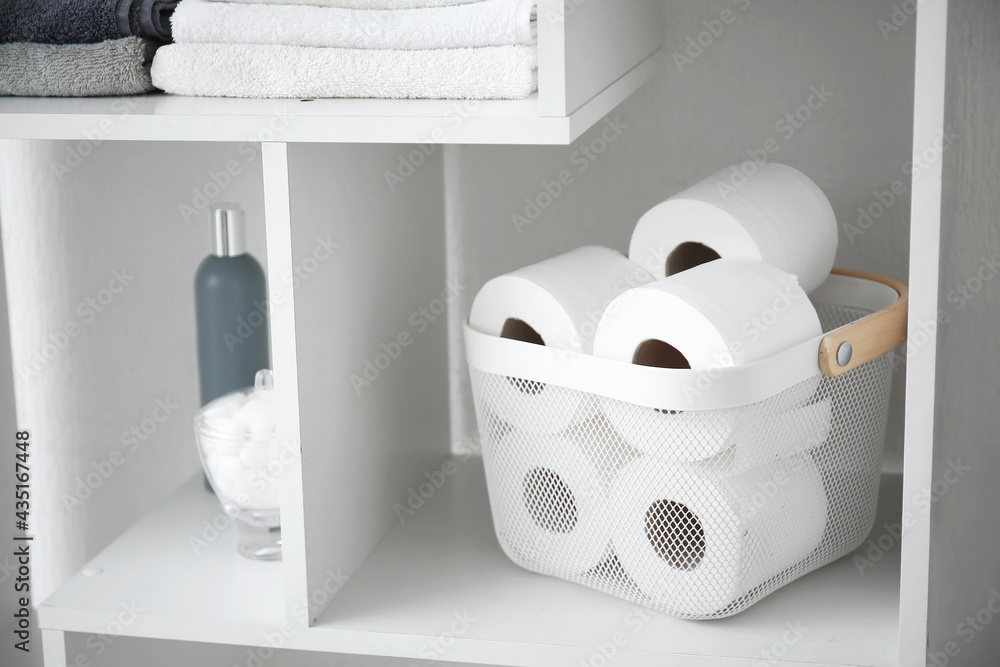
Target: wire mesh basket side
(695,514)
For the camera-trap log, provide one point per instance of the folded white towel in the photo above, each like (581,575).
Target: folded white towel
(360,4)
(267,70)
(491,23)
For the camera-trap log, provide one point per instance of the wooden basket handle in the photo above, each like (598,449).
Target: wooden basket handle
(872,336)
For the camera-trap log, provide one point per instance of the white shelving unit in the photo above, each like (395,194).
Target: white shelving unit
(445,562)
(379,588)
(168,118)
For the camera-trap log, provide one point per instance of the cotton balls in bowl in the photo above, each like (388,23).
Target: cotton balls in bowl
(240,450)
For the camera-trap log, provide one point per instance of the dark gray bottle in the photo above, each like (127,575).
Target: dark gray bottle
(231,302)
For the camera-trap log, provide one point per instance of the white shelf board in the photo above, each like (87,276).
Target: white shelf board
(445,560)
(213,595)
(160,117)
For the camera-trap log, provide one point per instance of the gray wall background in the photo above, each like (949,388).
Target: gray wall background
(965,528)
(8,425)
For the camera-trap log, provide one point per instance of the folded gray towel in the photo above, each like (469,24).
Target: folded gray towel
(84,21)
(114,67)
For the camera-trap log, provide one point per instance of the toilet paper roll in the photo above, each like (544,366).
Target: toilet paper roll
(778,215)
(604,445)
(556,303)
(731,440)
(694,544)
(549,500)
(725,313)
(679,436)
(769,439)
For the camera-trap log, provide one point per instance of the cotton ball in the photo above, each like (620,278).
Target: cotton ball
(228,475)
(227,405)
(225,424)
(258,415)
(266,490)
(257,455)
(221,434)
(231,403)
(211,445)
(235,400)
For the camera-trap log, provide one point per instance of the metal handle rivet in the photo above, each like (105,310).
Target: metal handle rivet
(844,354)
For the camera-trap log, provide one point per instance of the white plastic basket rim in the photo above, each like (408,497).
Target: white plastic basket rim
(694,390)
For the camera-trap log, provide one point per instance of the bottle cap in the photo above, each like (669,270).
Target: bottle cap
(229,236)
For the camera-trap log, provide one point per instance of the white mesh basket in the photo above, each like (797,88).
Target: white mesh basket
(695,493)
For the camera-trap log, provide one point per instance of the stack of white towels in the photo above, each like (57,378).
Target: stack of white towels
(435,49)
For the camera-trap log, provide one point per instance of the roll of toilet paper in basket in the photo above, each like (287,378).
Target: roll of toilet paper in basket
(720,314)
(695,543)
(549,499)
(556,303)
(777,214)
(732,440)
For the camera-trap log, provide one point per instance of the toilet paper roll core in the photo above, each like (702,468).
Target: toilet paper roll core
(777,215)
(695,542)
(556,303)
(551,506)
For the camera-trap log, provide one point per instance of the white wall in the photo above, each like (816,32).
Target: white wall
(9,655)
(694,120)
(105,371)
(8,425)
(965,540)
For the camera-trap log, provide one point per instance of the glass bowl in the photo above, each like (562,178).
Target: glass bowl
(245,462)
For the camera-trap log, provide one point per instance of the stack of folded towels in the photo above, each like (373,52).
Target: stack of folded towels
(74,48)
(438,49)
